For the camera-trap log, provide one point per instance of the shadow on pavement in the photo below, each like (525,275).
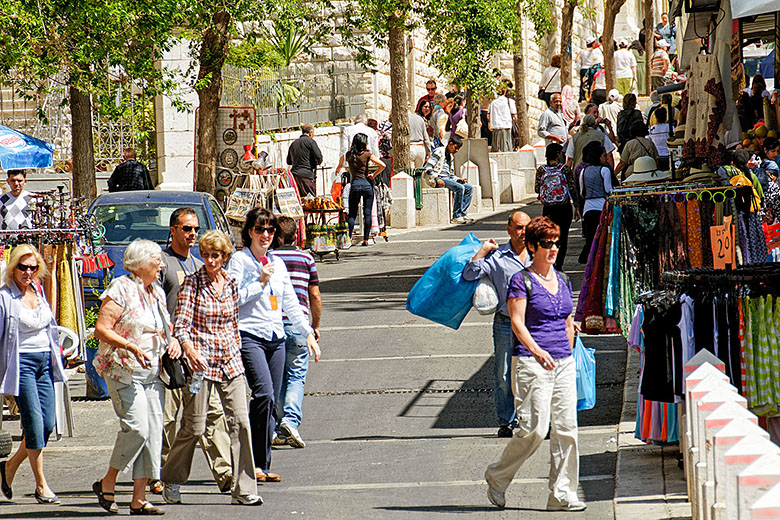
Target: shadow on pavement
(452,508)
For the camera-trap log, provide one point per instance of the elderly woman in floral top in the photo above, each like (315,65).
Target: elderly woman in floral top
(206,324)
(131,329)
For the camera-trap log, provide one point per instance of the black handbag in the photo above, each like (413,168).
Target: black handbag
(175,372)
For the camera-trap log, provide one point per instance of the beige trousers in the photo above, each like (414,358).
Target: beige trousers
(196,408)
(215,442)
(543,397)
(417,151)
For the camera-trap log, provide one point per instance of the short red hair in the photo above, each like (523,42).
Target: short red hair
(541,228)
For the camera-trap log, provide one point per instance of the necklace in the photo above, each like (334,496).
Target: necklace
(547,278)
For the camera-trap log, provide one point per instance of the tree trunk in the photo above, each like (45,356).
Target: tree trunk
(611,10)
(648,43)
(82,147)
(399,96)
(567,25)
(213,52)
(518,59)
(472,115)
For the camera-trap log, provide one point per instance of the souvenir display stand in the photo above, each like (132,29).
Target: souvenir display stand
(326,228)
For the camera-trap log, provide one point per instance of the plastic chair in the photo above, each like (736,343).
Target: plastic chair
(70,344)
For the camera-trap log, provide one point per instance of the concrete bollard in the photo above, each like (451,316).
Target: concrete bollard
(768,506)
(540,148)
(695,375)
(736,460)
(704,406)
(470,172)
(726,438)
(755,480)
(716,421)
(403,214)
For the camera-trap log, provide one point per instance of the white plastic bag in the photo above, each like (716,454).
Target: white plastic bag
(485,298)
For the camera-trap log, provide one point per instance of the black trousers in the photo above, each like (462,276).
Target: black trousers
(590,222)
(562,215)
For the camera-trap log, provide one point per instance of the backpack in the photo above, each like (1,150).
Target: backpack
(529,286)
(552,186)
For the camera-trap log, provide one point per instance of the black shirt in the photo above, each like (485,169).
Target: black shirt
(130,176)
(304,155)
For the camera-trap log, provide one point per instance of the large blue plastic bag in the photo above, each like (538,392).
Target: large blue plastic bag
(585,360)
(442,295)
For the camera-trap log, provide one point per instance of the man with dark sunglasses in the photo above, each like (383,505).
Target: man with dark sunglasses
(178,262)
(430,88)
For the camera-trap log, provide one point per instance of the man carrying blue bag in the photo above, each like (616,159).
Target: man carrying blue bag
(499,264)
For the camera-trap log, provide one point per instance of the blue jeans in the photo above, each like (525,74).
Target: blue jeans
(502,378)
(37,405)
(296,366)
(264,366)
(360,189)
(462,193)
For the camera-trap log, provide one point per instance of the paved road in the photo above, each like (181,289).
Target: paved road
(398,417)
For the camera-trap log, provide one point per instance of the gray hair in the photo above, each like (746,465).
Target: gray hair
(360,118)
(589,121)
(139,253)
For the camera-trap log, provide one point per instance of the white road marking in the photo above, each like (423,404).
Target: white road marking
(438,356)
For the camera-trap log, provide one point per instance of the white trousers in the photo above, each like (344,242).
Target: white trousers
(417,151)
(543,397)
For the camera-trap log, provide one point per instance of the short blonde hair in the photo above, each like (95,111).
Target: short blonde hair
(139,253)
(17,254)
(216,241)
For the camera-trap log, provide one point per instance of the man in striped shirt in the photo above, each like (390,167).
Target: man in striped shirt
(303,275)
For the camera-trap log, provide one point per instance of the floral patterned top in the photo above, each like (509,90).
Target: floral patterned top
(127,291)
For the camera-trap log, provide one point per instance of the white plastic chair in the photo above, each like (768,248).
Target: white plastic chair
(70,343)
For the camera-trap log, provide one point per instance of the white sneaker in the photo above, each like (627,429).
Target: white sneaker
(293,437)
(553,504)
(496,497)
(171,493)
(247,500)
(458,220)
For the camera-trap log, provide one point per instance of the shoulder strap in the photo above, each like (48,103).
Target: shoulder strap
(529,286)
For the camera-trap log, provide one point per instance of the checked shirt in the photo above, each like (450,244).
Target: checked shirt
(210,323)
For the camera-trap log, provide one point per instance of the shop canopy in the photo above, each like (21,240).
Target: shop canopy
(21,151)
(745,8)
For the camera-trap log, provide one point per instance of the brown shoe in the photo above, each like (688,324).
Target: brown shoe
(267,477)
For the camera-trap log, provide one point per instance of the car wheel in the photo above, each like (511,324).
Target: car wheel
(6,443)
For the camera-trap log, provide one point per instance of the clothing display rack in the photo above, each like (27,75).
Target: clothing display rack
(648,230)
(732,314)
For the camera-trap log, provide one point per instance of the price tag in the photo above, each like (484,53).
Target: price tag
(722,243)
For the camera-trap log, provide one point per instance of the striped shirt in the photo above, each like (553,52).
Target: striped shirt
(657,62)
(303,273)
(210,323)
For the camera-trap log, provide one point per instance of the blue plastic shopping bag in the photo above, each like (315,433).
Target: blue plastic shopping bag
(442,295)
(585,361)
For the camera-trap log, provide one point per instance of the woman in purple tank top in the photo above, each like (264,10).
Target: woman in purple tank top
(545,379)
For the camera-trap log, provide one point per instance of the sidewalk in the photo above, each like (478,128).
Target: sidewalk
(648,483)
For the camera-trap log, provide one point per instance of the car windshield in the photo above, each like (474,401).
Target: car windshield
(126,222)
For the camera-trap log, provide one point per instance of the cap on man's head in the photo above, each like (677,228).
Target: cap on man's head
(662,43)
(590,40)
(613,94)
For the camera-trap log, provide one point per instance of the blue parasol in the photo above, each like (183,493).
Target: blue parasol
(18,150)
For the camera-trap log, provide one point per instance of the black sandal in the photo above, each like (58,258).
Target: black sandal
(105,503)
(146,509)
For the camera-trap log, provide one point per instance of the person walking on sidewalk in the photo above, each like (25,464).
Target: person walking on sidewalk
(359,160)
(265,292)
(500,263)
(545,384)
(303,157)
(30,362)
(206,326)
(303,275)
(178,262)
(131,328)
(557,190)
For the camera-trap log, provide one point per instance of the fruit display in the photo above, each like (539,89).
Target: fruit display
(320,203)
(753,139)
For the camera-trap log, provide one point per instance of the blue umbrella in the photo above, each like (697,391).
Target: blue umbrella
(18,150)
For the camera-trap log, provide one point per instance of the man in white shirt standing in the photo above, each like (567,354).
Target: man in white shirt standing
(552,127)
(501,113)
(15,205)
(419,142)
(625,68)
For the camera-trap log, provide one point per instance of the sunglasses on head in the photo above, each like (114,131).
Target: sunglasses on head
(547,244)
(188,229)
(265,229)
(23,267)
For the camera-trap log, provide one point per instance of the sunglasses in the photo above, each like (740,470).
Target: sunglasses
(189,229)
(547,244)
(215,255)
(430,89)
(265,229)
(23,267)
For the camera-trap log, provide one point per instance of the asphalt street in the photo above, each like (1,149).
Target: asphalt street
(398,414)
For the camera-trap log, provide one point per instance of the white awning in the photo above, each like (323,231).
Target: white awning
(743,8)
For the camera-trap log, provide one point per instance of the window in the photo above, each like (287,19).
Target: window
(126,222)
